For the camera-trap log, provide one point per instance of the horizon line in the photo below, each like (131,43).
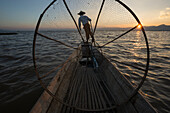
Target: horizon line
(59,29)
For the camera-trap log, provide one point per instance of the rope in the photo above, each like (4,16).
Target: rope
(56,41)
(147,45)
(99,15)
(119,36)
(110,59)
(73,19)
(43,76)
(93,33)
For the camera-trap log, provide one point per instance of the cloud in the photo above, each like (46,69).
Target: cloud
(167,8)
(165,14)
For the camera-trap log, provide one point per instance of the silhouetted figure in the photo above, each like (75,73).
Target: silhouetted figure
(85,21)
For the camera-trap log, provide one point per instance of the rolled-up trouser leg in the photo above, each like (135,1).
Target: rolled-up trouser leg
(87,30)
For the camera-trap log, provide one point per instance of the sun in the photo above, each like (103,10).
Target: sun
(139,26)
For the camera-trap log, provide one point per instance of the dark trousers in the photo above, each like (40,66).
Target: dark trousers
(88,32)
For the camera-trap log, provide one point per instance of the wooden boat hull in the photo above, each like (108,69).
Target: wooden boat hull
(84,89)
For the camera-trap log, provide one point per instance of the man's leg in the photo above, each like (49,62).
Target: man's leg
(87,35)
(87,31)
(92,36)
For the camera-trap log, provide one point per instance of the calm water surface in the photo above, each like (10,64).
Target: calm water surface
(19,88)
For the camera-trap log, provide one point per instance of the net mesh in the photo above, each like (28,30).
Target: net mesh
(113,17)
(114,20)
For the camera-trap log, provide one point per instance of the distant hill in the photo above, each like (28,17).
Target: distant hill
(6,31)
(162,27)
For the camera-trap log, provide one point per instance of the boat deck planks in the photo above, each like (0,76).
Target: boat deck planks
(86,88)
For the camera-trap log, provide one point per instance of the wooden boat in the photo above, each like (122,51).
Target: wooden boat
(88,81)
(88,88)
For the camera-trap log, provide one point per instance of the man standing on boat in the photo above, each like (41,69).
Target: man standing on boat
(85,21)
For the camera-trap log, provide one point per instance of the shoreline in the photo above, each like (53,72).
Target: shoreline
(8,33)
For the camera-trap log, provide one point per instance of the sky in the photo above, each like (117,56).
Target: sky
(152,12)
(23,14)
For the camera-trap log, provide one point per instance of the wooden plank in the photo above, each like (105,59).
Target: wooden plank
(84,88)
(78,96)
(128,89)
(118,94)
(89,95)
(62,90)
(142,105)
(98,103)
(104,95)
(102,102)
(93,92)
(45,99)
(123,82)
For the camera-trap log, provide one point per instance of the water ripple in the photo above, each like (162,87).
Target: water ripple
(18,83)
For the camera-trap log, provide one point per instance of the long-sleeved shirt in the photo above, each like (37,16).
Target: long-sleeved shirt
(84,20)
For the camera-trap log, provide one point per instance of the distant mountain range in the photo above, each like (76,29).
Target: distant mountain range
(162,27)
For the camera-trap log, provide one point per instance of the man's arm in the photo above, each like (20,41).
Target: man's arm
(79,24)
(88,18)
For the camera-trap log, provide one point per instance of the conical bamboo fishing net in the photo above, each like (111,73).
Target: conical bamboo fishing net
(58,33)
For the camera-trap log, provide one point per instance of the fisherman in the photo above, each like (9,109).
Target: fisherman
(85,21)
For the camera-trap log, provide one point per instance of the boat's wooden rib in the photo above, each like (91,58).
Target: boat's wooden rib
(83,87)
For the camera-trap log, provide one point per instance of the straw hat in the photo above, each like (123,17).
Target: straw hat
(81,13)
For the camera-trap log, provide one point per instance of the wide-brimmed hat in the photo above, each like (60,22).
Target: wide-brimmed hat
(81,13)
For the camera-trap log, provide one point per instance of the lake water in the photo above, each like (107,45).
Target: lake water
(20,89)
